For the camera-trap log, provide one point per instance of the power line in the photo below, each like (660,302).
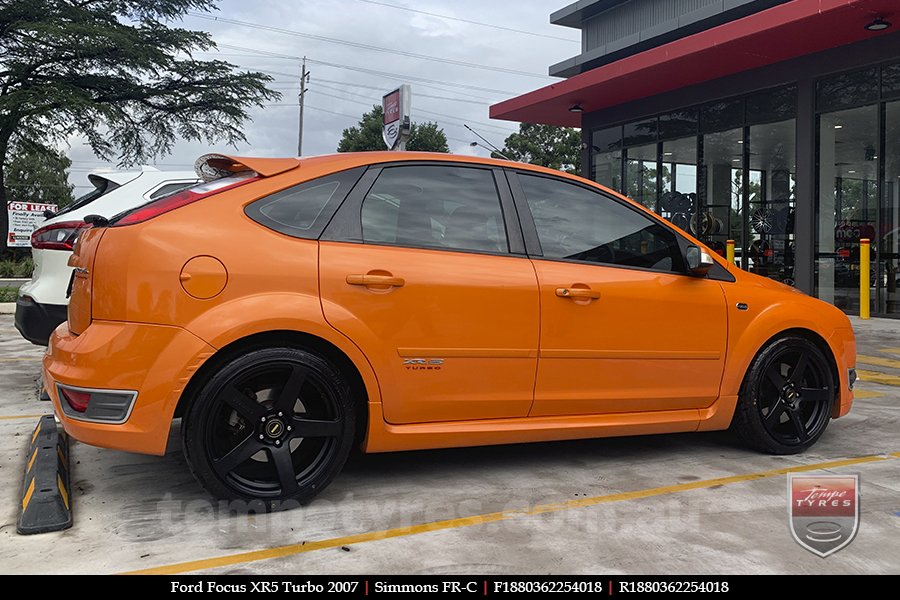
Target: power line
(377,73)
(448,61)
(421,81)
(491,25)
(381,89)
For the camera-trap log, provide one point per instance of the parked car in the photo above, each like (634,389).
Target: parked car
(42,302)
(289,309)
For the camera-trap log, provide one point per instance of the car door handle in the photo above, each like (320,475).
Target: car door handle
(577,293)
(376,280)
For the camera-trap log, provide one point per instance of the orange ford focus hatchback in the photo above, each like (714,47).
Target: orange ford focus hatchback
(287,310)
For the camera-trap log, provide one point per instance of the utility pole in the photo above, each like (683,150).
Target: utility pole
(304,79)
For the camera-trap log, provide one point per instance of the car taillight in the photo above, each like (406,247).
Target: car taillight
(182,198)
(57,236)
(78,400)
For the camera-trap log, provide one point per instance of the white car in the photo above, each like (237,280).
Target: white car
(42,302)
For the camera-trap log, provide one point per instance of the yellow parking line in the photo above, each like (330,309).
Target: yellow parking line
(878,377)
(890,350)
(865,394)
(20,358)
(893,363)
(292,549)
(14,417)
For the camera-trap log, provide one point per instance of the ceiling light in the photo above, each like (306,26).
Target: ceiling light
(838,126)
(851,171)
(740,141)
(576,108)
(667,153)
(878,24)
(735,160)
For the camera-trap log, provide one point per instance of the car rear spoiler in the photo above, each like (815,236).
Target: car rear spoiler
(210,167)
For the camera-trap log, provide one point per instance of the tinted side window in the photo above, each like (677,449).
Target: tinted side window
(304,210)
(574,223)
(455,208)
(171,188)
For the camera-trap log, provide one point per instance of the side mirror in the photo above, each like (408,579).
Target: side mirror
(699,262)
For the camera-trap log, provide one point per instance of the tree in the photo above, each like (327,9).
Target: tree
(545,145)
(114,72)
(366,136)
(34,175)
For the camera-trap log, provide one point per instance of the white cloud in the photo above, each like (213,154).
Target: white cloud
(273,129)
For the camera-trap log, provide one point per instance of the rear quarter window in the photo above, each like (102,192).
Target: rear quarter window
(304,210)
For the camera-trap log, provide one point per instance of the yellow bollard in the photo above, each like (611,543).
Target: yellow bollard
(729,251)
(864,279)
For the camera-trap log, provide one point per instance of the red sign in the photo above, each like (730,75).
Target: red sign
(391,104)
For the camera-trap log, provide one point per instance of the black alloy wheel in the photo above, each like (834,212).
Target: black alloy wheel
(275,424)
(787,397)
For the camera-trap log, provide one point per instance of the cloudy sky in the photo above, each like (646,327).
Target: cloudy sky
(346,80)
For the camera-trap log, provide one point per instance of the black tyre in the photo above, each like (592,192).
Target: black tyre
(786,398)
(273,426)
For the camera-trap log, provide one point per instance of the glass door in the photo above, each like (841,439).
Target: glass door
(678,202)
(721,180)
(848,202)
(772,152)
(889,244)
(641,173)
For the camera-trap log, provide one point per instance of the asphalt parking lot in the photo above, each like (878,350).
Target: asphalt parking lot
(687,503)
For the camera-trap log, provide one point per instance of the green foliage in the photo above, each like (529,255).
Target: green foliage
(366,136)
(8,294)
(19,269)
(35,175)
(545,145)
(116,73)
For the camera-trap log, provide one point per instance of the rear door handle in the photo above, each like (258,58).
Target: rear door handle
(578,293)
(376,280)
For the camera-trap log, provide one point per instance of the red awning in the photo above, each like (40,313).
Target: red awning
(780,33)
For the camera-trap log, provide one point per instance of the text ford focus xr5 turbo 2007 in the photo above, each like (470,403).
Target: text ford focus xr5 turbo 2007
(288,309)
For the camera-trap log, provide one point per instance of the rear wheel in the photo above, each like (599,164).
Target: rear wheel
(786,398)
(274,425)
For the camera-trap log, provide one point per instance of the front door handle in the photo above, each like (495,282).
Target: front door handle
(578,293)
(376,280)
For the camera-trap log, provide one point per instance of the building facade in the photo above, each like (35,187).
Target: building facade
(772,123)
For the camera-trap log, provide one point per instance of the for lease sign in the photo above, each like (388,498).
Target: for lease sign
(24,218)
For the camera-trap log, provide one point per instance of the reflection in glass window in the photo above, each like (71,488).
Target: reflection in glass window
(640,174)
(847,90)
(574,223)
(298,208)
(435,206)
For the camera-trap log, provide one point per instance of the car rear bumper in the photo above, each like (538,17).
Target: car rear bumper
(155,361)
(36,321)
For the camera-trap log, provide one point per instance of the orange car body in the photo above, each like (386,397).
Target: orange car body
(475,349)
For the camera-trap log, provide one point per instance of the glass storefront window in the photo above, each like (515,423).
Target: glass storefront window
(848,199)
(639,132)
(772,105)
(680,123)
(772,149)
(722,185)
(606,157)
(721,115)
(640,174)
(678,201)
(890,81)
(889,244)
(847,89)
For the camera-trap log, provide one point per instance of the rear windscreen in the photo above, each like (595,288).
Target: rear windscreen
(105,186)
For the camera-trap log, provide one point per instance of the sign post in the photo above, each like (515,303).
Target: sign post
(24,218)
(396,125)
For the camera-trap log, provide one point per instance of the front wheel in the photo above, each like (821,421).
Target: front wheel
(273,425)
(786,397)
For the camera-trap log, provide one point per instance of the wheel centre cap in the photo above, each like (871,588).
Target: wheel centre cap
(274,428)
(790,395)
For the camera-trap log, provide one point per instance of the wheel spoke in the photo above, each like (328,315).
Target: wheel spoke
(773,373)
(774,416)
(309,428)
(817,395)
(284,466)
(237,455)
(245,406)
(799,370)
(291,390)
(799,425)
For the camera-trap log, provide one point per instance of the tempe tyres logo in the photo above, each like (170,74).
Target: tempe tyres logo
(823,511)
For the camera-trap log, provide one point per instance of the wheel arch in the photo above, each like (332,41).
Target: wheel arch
(294,339)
